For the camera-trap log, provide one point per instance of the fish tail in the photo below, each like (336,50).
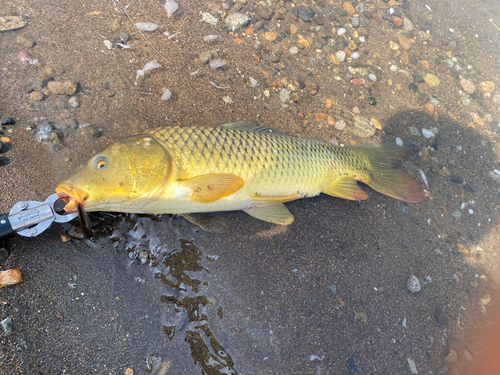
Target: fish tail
(382,175)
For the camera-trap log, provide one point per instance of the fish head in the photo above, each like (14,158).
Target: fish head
(132,168)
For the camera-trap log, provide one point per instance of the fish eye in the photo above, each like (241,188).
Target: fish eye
(100,162)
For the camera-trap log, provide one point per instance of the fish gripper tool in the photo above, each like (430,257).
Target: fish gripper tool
(30,218)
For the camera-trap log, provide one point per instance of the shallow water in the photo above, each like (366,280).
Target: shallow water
(326,295)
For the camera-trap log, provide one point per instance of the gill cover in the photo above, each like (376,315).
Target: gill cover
(131,168)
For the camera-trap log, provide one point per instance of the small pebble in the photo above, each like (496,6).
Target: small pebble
(253,82)
(411,364)
(206,56)
(340,55)
(340,125)
(355,55)
(24,56)
(362,127)
(36,96)
(372,101)
(399,142)
(166,94)
(414,131)
(217,63)
(25,41)
(146,26)
(431,80)
(427,133)
(413,284)
(341,31)
(467,85)
(7,121)
(407,25)
(293,50)
(456,179)
(124,37)
(456,214)
(236,21)
(372,77)
(73,101)
(470,187)
(333,289)
(62,87)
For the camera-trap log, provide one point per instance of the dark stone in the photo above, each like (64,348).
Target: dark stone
(367,14)
(372,101)
(295,11)
(413,87)
(351,366)
(457,179)
(340,11)
(417,78)
(124,37)
(423,98)
(414,60)
(318,19)
(258,25)
(264,12)
(279,15)
(302,84)
(470,187)
(7,121)
(96,133)
(441,68)
(442,318)
(306,14)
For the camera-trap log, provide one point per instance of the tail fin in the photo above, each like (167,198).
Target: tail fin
(383,158)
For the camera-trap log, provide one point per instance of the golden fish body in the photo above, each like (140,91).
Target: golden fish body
(234,166)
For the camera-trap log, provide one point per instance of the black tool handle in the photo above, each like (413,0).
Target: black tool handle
(5,227)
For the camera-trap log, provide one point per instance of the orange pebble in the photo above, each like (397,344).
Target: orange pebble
(357,82)
(320,117)
(9,277)
(249,30)
(429,107)
(397,21)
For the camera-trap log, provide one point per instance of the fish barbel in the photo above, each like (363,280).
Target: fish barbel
(232,166)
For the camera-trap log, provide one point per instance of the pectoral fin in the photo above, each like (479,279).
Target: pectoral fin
(275,213)
(346,188)
(211,187)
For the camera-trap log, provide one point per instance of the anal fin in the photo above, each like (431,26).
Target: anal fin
(275,213)
(347,188)
(211,187)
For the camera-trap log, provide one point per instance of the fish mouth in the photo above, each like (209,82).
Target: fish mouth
(72,196)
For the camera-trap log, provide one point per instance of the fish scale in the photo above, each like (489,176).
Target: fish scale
(271,164)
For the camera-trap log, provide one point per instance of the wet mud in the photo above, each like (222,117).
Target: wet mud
(326,295)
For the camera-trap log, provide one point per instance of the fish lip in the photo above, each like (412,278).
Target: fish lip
(72,196)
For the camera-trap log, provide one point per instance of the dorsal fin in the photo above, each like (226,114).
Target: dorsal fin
(252,126)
